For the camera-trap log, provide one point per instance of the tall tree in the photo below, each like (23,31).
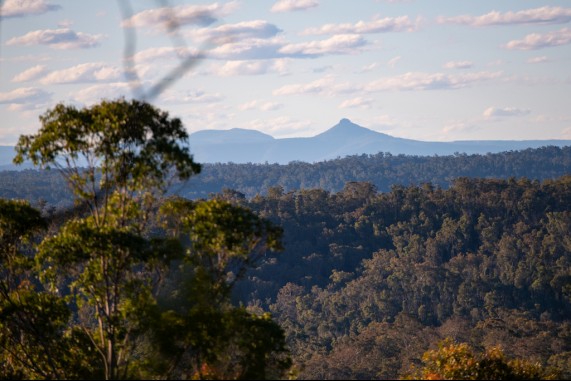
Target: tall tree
(118,158)
(114,155)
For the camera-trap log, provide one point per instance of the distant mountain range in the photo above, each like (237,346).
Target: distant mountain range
(344,139)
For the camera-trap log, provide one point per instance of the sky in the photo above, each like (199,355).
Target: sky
(438,70)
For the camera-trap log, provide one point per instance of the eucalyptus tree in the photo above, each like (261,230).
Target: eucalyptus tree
(107,266)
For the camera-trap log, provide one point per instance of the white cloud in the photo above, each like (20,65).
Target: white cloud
(412,81)
(323,86)
(248,105)
(458,126)
(27,58)
(22,8)
(387,24)
(235,32)
(315,87)
(165,53)
(65,23)
(383,122)
(30,74)
(539,59)
(293,5)
(191,97)
(209,116)
(271,106)
(393,61)
(260,105)
(25,95)
(430,81)
(84,73)
(539,41)
(26,109)
(458,65)
(170,17)
(338,44)
(493,112)
(531,80)
(256,48)
(155,62)
(252,67)
(369,67)
(358,102)
(251,49)
(94,94)
(543,15)
(281,66)
(58,38)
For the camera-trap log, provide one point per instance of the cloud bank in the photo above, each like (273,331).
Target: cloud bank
(63,39)
(293,5)
(23,8)
(543,15)
(536,41)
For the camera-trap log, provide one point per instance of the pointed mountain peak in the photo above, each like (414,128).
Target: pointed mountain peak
(347,128)
(346,123)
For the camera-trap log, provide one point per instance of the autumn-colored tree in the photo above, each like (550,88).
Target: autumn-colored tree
(458,361)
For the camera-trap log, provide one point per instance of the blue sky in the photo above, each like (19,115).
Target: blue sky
(438,70)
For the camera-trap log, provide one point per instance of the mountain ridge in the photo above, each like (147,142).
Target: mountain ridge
(239,145)
(344,139)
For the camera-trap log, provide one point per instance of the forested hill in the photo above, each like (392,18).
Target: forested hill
(368,281)
(382,170)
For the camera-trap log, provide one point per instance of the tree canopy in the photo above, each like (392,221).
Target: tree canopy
(110,293)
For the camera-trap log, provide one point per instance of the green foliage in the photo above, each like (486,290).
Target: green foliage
(112,294)
(230,343)
(133,143)
(382,170)
(18,223)
(487,260)
(35,339)
(228,239)
(117,157)
(199,333)
(111,153)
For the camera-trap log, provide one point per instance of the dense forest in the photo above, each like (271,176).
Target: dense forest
(367,267)
(369,281)
(382,170)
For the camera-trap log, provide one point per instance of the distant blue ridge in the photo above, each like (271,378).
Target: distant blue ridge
(346,138)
